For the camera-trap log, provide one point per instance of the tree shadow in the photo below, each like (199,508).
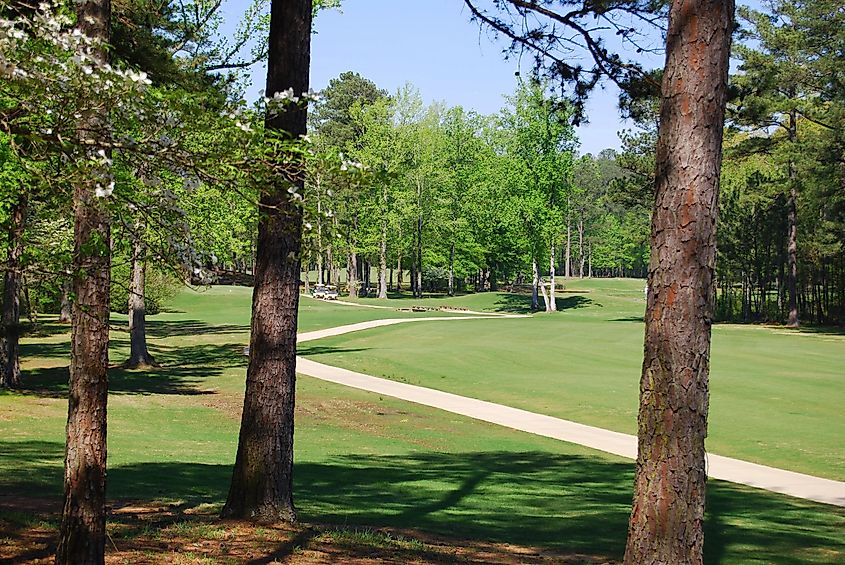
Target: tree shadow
(184,370)
(637,319)
(163,328)
(512,303)
(309,350)
(568,502)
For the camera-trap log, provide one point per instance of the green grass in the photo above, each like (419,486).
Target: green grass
(364,461)
(776,395)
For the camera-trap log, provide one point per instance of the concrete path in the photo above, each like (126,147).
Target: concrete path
(624,445)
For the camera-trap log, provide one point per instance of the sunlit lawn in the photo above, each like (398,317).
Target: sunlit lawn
(367,460)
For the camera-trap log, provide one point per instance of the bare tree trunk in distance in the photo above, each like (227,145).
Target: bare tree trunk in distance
(352,274)
(139,356)
(552,300)
(262,480)
(567,267)
(82,534)
(10,318)
(535,284)
(452,269)
(382,252)
(668,505)
(66,310)
(792,230)
(581,257)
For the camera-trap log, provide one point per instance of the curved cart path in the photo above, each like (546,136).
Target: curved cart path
(724,468)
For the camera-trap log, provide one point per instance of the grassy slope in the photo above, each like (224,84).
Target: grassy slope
(776,395)
(362,459)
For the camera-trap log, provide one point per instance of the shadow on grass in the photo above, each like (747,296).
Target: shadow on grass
(637,319)
(573,503)
(521,303)
(183,371)
(308,350)
(163,329)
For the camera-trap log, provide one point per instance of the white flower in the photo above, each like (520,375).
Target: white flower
(101,192)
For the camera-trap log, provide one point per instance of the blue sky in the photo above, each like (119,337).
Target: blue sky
(433,45)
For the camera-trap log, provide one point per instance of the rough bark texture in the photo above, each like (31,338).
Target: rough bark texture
(83,529)
(10,366)
(262,480)
(668,507)
(139,356)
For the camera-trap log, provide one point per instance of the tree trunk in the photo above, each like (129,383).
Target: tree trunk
(567,261)
(552,300)
(10,366)
(321,276)
(352,274)
(535,284)
(668,506)
(82,533)
(66,312)
(581,258)
(262,481)
(399,276)
(139,357)
(452,269)
(382,252)
(418,235)
(792,232)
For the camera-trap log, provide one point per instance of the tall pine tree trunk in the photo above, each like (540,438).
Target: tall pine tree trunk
(581,257)
(382,252)
(567,261)
(352,274)
(668,506)
(82,533)
(139,356)
(262,480)
(10,366)
(792,230)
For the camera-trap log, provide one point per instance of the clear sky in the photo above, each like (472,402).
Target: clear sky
(433,45)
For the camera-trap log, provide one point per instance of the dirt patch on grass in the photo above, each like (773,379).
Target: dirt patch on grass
(148,534)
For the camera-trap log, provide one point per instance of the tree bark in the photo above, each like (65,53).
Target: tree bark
(581,257)
(399,275)
(82,532)
(452,269)
(139,356)
(535,284)
(352,274)
(382,252)
(262,480)
(567,262)
(66,311)
(668,506)
(10,366)
(792,231)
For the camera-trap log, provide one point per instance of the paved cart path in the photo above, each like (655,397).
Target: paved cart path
(724,468)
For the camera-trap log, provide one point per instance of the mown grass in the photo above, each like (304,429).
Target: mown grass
(363,461)
(776,394)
